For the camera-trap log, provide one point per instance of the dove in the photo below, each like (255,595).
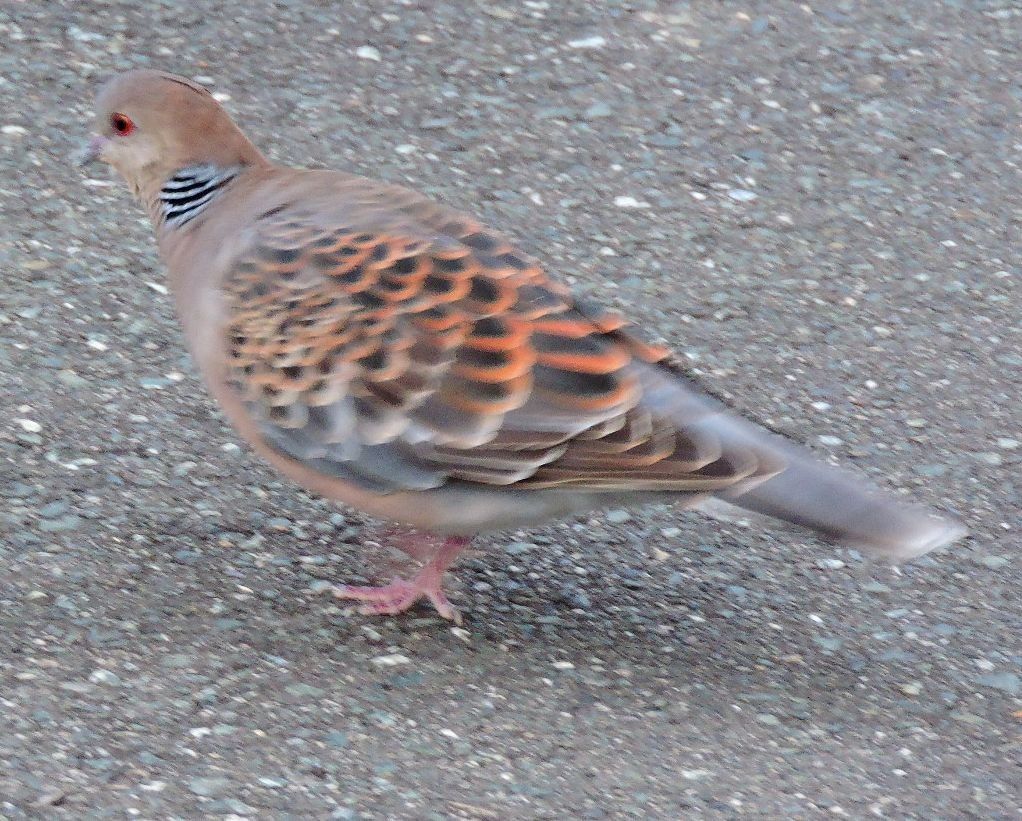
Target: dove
(393,354)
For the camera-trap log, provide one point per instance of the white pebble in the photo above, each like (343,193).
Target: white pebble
(368,53)
(83,36)
(830,441)
(563,665)
(742,195)
(391,660)
(630,202)
(596,41)
(14,130)
(1008,444)
(406,148)
(370,631)
(104,677)
(29,425)
(160,289)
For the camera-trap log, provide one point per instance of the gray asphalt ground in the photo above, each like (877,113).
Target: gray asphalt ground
(828,228)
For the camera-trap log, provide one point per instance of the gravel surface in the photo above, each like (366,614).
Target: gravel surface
(818,204)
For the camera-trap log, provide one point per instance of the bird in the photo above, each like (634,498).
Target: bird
(396,355)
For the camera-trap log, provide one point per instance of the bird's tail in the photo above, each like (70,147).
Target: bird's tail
(800,488)
(845,509)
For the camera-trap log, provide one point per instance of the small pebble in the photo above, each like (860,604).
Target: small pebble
(390,660)
(336,739)
(106,677)
(1009,683)
(210,787)
(596,41)
(53,509)
(742,195)
(630,202)
(305,690)
(368,53)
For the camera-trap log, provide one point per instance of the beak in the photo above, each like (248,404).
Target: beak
(91,151)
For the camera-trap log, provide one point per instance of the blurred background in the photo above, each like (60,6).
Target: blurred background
(817,204)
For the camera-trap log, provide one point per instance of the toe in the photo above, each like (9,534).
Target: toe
(444,607)
(368,594)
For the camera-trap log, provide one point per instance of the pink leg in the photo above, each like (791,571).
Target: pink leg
(400,595)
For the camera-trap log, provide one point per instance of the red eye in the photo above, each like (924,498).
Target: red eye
(121,124)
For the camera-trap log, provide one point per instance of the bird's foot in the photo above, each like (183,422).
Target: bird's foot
(397,597)
(401,595)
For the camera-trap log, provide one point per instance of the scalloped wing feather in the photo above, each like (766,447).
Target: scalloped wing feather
(411,347)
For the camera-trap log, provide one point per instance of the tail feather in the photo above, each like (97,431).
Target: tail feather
(804,490)
(845,509)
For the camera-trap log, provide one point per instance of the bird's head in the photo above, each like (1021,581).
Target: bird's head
(150,124)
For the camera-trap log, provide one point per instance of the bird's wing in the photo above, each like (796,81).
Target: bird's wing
(406,347)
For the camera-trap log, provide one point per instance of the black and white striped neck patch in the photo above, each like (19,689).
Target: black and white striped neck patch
(187,194)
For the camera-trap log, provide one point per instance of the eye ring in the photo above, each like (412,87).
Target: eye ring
(121,124)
